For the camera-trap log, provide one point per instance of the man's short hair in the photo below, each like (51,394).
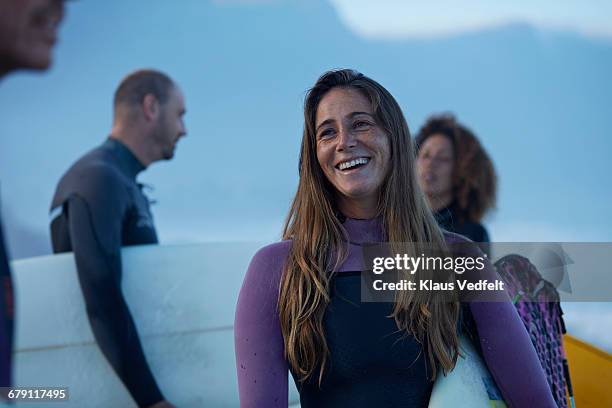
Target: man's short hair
(134,87)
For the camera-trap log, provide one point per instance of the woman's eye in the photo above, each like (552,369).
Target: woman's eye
(361,124)
(326,133)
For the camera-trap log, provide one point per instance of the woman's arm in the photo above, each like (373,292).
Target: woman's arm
(507,348)
(510,355)
(260,360)
(505,343)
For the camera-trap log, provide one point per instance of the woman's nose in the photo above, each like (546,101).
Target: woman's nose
(346,139)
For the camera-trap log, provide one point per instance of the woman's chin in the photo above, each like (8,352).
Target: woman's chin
(358,198)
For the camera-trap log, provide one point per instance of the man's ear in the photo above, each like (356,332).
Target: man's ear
(150,107)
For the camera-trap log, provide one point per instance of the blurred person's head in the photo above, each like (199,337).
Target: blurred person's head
(454,168)
(356,161)
(28,31)
(148,111)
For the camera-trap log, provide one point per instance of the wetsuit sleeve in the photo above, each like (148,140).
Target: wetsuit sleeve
(98,260)
(7,324)
(508,351)
(260,362)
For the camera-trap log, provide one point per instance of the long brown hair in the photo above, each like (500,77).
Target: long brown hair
(317,233)
(474,177)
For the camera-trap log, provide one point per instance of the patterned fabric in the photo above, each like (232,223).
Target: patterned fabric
(537,302)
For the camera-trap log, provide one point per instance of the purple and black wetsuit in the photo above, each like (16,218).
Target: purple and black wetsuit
(371,362)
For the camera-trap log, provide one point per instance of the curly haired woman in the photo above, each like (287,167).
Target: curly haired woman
(456,175)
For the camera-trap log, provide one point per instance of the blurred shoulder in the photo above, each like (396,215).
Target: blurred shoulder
(455,238)
(95,181)
(473,230)
(461,244)
(95,167)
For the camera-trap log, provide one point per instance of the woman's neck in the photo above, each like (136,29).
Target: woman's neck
(358,209)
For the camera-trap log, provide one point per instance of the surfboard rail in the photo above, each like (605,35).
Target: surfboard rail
(591,373)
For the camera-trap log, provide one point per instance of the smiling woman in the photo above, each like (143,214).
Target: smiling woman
(300,307)
(353,151)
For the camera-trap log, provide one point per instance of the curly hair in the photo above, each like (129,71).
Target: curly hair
(474,177)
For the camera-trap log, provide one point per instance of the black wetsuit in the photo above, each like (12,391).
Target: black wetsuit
(101,209)
(6,316)
(451,220)
(382,367)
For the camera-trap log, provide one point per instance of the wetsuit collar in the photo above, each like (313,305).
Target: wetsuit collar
(365,231)
(450,216)
(444,216)
(128,163)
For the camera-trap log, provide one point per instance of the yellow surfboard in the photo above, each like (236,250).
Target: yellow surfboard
(591,373)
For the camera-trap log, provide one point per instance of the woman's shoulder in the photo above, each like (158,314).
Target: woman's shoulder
(455,238)
(261,282)
(473,230)
(479,241)
(268,262)
(273,253)
(461,244)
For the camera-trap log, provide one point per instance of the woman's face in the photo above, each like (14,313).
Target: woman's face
(352,149)
(435,165)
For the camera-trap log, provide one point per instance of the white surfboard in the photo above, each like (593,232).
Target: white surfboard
(182,298)
(468,385)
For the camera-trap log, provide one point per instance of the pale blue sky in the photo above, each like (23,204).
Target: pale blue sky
(417,18)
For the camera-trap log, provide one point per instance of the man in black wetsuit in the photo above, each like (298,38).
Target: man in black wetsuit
(28,31)
(99,207)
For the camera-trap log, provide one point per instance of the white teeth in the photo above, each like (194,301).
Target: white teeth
(352,163)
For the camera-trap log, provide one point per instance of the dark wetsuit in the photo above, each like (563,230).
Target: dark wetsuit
(6,316)
(101,209)
(450,219)
(370,363)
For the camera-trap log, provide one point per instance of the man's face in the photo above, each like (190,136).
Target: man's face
(171,127)
(28,31)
